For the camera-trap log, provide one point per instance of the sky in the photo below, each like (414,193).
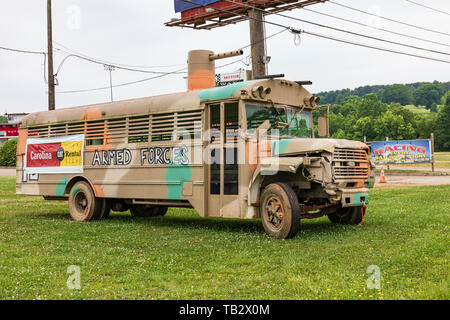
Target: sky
(132,32)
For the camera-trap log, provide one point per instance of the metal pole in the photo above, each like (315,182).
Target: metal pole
(110,69)
(51,77)
(432,151)
(110,84)
(387,139)
(257,40)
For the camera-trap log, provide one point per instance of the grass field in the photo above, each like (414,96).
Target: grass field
(182,256)
(417,109)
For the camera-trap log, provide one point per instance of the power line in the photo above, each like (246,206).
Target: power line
(102,63)
(140,81)
(299,31)
(114,63)
(376,28)
(345,31)
(123,84)
(21,51)
(169,73)
(388,19)
(424,6)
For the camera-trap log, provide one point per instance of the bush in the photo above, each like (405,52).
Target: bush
(8,154)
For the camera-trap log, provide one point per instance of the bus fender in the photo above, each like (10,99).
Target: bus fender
(267,167)
(98,191)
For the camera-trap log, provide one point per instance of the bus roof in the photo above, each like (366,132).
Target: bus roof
(282,91)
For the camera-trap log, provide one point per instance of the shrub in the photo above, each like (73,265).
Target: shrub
(8,154)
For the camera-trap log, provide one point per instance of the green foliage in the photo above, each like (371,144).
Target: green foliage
(398,93)
(419,93)
(8,154)
(369,117)
(442,126)
(429,94)
(3,119)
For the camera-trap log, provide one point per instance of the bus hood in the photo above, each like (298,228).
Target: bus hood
(286,147)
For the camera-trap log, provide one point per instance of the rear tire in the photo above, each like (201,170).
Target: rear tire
(347,216)
(106,209)
(83,204)
(280,211)
(141,210)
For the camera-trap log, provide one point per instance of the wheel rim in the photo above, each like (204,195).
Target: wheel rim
(81,203)
(274,213)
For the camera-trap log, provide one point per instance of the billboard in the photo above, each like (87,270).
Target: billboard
(181,5)
(54,155)
(401,152)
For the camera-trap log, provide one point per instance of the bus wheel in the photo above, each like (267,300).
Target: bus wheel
(162,211)
(142,210)
(105,210)
(83,205)
(350,215)
(280,211)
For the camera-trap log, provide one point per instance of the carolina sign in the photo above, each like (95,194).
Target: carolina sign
(401,152)
(55,155)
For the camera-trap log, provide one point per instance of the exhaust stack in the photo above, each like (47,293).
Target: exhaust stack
(202,67)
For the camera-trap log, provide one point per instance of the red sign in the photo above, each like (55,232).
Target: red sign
(43,155)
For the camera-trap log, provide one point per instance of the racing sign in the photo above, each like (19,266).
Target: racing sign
(54,155)
(401,152)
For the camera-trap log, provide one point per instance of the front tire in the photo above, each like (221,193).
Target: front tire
(280,211)
(348,215)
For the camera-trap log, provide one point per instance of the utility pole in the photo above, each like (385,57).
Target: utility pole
(51,76)
(257,40)
(110,69)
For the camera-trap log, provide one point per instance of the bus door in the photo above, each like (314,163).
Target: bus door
(223,169)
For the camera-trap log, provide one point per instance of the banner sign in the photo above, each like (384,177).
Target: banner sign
(181,5)
(224,79)
(54,155)
(401,152)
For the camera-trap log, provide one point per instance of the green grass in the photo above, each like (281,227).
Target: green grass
(183,256)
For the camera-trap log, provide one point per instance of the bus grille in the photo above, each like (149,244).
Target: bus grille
(350,164)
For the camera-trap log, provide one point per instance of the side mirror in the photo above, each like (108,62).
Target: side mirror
(323,127)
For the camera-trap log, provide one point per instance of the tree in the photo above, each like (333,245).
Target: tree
(8,153)
(442,127)
(398,93)
(428,93)
(3,119)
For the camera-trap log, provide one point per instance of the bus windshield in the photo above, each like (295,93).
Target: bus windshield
(288,120)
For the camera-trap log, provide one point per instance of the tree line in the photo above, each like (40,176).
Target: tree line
(420,94)
(356,118)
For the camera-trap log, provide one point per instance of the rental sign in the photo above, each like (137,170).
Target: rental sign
(401,152)
(54,155)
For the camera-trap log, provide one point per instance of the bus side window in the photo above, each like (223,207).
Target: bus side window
(215,123)
(215,134)
(231,168)
(215,171)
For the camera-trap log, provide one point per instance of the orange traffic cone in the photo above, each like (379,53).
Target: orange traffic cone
(382,177)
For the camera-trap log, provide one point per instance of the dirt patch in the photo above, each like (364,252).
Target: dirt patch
(404,181)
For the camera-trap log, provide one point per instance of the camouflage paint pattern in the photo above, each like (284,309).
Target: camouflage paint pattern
(307,163)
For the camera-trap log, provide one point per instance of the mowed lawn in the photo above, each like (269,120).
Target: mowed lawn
(183,256)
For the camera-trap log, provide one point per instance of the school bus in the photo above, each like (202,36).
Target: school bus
(247,150)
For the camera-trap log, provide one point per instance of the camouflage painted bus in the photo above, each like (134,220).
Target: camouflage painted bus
(246,150)
(214,150)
